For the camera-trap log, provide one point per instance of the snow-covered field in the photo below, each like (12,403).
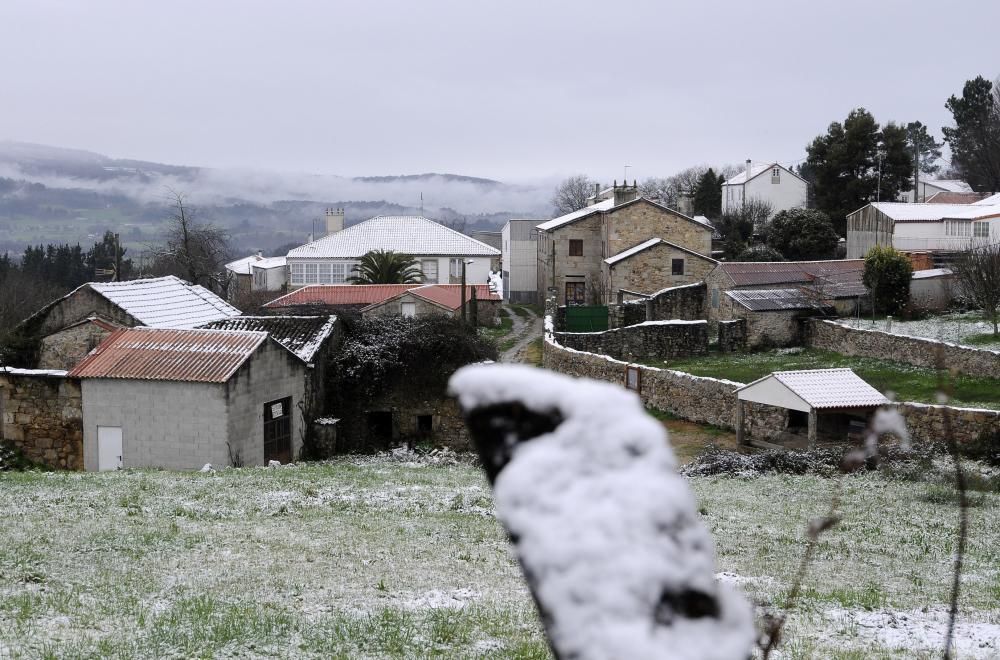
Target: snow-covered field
(952,328)
(395,558)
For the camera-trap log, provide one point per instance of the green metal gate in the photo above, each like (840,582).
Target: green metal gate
(586,318)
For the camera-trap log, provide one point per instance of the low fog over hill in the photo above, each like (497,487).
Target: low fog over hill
(52,194)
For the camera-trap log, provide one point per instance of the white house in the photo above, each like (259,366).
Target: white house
(519,262)
(921,227)
(257,273)
(439,251)
(775,184)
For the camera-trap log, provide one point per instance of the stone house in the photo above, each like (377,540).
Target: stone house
(655,265)
(572,248)
(836,282)
(178,399)
(69,326)
(438,250)
(773,317)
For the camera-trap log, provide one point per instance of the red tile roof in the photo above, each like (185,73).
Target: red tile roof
(449,295)
(203,356)
(947,197)
(340,294)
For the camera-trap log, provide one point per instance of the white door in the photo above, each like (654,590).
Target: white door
(109,447)
(409,310)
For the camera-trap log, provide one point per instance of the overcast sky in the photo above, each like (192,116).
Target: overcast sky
(511,90)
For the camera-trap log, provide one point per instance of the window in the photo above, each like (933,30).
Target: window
(429,267)
(455,267)
(576,247)
(408,310)
(776,175)
(676,266)
(575,293)
(981,229)
(957,228)
(425,425)
(715,298)
(259,278)
(324,273)
(312,273)
(278,430)
(298,273)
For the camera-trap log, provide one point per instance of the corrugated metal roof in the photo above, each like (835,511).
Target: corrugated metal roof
(903,212)
(302,335)
(946,197)
(751,273)
(203,356)
(768,300)
(407,234)
(333,295)
(166,302)
(826,388)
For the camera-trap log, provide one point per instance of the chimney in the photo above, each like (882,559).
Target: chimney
(625,193)
(334,221)
(749,165)
(260,254)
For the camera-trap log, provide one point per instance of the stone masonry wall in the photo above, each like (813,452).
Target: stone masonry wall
(652,270)
(685,303)
(652,339)
(64,349)
(42,416)
(732,335)
(919,352)
(632,224)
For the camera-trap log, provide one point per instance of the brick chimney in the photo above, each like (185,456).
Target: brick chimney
(334,221)
(625,193)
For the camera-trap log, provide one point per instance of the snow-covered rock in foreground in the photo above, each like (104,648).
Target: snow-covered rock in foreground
(607,533)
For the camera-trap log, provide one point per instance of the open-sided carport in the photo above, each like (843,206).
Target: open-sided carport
(806,394)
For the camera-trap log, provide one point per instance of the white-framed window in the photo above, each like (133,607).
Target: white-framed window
(338,273)
(409,310)
(455,267)
(312,274)
(957,228)
(298,273)
(775,174)
(324,273)
(981,229)
(429,267)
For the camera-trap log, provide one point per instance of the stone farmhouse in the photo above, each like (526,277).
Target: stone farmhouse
(439,251)
(409,300)
(71,326)
(179,399)
(572,249)
(775,184)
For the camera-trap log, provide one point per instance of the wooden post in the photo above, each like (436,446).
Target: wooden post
(740,440)
(812,428)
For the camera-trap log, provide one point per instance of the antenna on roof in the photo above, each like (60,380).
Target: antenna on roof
(421,202)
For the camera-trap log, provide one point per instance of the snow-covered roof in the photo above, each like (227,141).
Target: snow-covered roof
(762,273)
(605,205)
(743,177)
(931,272)
(270,262)
(406,234)
(950,185)
(204,356)
(769,300)
(303,336)
(813,388)
(166,302)
(645,245)
(14,371)
(703,220)
(992,200)
(903,212)
(243,266)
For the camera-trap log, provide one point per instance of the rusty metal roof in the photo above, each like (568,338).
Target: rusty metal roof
(200,356)
(769,300)
(751,273)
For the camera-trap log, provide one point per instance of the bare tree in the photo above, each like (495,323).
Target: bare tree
(194,251)
(978,273)
(572,194)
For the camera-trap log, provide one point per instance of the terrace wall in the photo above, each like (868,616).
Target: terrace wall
(916,351)
(685,302)
(42,416)
(652,339)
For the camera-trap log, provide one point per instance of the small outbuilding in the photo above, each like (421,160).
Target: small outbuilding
(830,403)
(179,399)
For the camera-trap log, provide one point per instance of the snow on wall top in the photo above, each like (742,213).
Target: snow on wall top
(605,526)
(407,234)
(166,302)
(554,223)
(826,388)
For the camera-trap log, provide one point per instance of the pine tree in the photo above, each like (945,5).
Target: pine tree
(975,138)
(925,146)
(708,195)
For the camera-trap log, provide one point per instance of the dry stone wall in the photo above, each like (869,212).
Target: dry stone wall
(42,416)
(686,303)
(926,423)
(652,339)
(833,336)
(732,335)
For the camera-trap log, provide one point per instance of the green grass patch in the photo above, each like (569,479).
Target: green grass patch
(521,311)
(500,330)
(907,382)
(985,339)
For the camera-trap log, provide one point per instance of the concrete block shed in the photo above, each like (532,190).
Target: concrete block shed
(178,399)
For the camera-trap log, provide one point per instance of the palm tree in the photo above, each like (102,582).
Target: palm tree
(386,267)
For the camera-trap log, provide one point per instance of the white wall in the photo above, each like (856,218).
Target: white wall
(274,278)
(475,273)
(789,193)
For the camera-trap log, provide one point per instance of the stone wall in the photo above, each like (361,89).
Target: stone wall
(631,224)
(926,423)
(694,398)
(65,348)
(771,328)
(356,434)
(652,339)
(685,303)
(652,269)
(42,416)
(732,335)
(919,352)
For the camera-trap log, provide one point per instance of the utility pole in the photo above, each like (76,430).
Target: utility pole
(916,170)
(462,293)
(118,259)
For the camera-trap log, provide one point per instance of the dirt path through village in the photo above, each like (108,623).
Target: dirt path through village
(526,331)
